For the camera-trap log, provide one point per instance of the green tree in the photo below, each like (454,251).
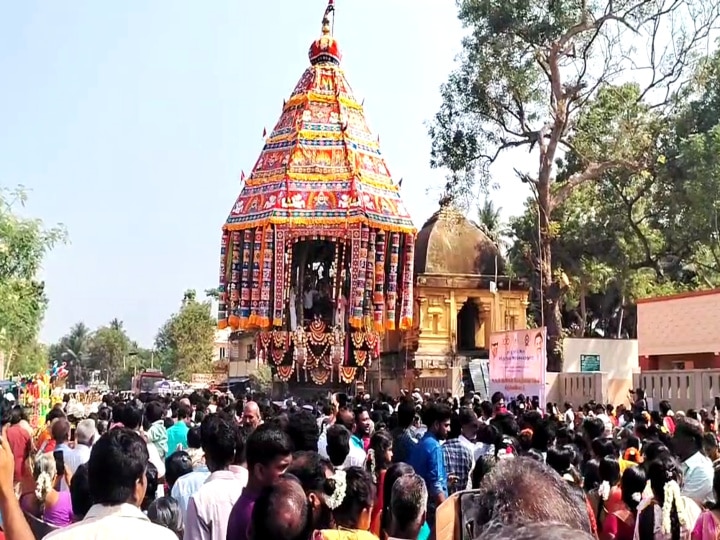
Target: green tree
(528,70)
(31,358)
(24,242)
(490,221)
(185,342)
(261,380)
(109,350)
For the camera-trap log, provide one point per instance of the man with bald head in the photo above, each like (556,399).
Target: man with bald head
(251,415)
(697,468)
(281,512)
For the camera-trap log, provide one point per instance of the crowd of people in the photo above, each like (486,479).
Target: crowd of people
(212,467)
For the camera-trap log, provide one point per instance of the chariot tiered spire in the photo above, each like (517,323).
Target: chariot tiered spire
(320,178)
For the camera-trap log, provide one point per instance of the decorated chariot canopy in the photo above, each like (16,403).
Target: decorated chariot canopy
(317,251)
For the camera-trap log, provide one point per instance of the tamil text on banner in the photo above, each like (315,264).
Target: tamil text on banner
(517,363)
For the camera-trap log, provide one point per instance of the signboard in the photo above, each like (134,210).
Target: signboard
(202,378)
(589,363)
(518,363)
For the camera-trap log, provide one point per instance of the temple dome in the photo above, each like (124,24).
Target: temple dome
(449,243)
(325,49)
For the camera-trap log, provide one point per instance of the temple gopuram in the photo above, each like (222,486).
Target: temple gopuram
(323,271)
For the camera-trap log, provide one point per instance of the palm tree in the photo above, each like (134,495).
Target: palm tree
(491,222)
(116,324)
(77,341)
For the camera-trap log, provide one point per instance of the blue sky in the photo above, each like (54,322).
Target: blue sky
(130,122)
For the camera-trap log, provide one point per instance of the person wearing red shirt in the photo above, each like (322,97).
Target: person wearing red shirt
(20,443)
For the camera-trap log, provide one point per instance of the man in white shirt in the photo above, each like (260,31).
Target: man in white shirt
(569,416)
(117,481)
(85,435)
(209,509)
(408,504)
(697,469)
(339,449)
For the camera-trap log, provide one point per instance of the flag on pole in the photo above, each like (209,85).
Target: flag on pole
(264,133)
(242,176)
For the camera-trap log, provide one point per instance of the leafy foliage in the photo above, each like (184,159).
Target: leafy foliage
(261,380)
(185,342)
(542,75)
(24,242)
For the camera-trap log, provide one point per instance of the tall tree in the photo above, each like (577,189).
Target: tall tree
(108,352)
(24,243)
(185,341)
(490,220)
(528,69)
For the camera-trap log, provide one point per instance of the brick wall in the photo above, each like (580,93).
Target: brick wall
(681,324)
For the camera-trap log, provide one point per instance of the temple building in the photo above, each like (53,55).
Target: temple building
(462,294)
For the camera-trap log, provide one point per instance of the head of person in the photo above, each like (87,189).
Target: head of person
(53,415)
(303,431)
(710,446)
(436,416)
(60,430)
(346,418)
(44,472)
(217,435)
(132,417)
(498,401)
(184,413)
(380,454)
(151,474)
(282,512)
(688,437)
(363,422)
(313,470)
(16,415)
(86,432)
(593,428)
(350,494)
(116,469)
(664,407)
(559,458)
(408,504)
(609,469)
(154,411)
(177,465)
(508,495)
(633,484)
(405,413)
(468,423)
(165,512)
(80,492)
(338,444)
(268,453)
(251,415)
(395,471)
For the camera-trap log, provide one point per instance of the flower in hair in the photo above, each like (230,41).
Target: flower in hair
(604,490)
(338,495)
(672,495)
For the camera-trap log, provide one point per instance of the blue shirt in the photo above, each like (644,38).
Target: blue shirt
(427,460)
(403,444)
(177,435)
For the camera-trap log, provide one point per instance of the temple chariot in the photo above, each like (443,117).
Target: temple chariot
(317,252)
